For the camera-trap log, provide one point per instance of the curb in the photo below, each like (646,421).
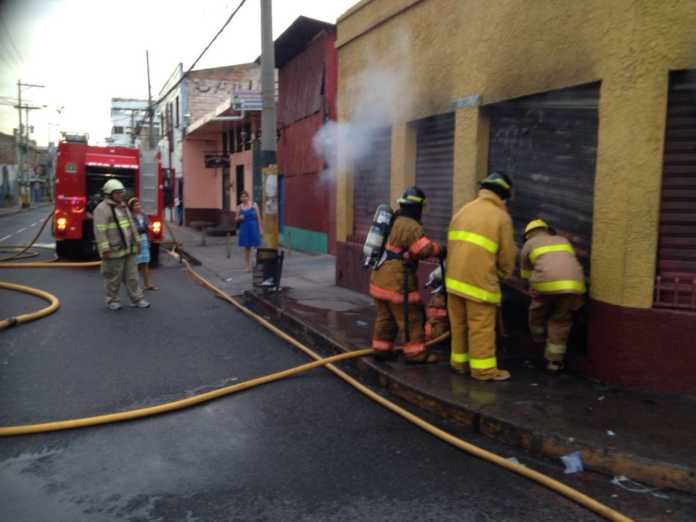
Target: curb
(14,212)
(552,446)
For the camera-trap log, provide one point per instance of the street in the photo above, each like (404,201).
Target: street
(307,448)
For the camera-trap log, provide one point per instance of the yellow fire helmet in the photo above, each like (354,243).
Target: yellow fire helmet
(112,185)
(535,224)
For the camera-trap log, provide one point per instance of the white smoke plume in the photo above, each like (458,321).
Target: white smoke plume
(377,96)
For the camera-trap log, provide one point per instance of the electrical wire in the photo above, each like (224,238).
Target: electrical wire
(224,26)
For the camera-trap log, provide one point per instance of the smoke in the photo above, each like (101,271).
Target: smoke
(376,96)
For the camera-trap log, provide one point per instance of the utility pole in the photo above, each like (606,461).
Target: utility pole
(22,144)
(150,109)
(18,143)
(268,129)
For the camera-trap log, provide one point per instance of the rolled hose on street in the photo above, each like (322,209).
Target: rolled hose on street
(544,480)
(22,252)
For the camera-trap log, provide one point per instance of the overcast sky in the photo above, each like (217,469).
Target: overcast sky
(87,51)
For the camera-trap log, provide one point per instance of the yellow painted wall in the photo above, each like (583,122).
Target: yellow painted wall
(438,51)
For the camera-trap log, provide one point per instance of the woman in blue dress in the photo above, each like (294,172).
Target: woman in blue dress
(143,257)
(249,219)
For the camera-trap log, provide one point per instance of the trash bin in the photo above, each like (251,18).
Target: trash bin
(268,268)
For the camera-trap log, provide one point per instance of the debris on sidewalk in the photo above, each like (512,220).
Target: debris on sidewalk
(515,461)
(572,462)
(636,487)
(611,433)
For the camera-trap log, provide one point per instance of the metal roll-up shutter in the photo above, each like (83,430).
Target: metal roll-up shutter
(371,182)
(434,169)
(547,144)
(676,258)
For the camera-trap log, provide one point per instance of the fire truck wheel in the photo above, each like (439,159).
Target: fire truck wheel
(65,249)
(154,254)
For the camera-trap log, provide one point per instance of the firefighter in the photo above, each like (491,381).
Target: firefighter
(481,251)
(117,243)
(394,285)
(557,285)
(437,323)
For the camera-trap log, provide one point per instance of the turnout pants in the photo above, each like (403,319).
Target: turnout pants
(121,268)
(552,316)
(390,322)
(472,327)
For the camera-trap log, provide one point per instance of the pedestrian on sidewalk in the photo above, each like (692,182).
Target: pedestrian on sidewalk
(481,252)
(557,284)
(249,219)
(395,282)
(117,243)
(143,258)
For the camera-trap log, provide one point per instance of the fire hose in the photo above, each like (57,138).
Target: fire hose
(544,480)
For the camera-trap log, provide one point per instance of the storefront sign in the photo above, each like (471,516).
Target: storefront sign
(214,161)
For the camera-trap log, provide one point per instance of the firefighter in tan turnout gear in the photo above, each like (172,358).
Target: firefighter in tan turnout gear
(557,285)
(117,242)
(481,251)
(394,286)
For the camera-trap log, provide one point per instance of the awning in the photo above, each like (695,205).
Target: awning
(111,160)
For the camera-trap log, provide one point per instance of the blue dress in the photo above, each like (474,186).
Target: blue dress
(249,234)
(144,256)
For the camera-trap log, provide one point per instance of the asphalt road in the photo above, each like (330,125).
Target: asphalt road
(307,448)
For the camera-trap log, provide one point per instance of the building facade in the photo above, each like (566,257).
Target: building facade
(127,116)
(9,186)
(222,159)
(306,60)
(185,99)
(590,107)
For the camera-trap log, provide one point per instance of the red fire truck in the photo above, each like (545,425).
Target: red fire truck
(81,171)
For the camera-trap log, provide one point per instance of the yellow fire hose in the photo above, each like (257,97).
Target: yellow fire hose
(54,303)
(540,478)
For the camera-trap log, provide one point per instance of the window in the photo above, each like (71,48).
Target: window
(117,130)
(177,112)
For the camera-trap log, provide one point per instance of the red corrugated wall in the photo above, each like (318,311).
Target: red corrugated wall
(303,107)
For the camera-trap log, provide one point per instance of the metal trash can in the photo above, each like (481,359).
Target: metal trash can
(268,268)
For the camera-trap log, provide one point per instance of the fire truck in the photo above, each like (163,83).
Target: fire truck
(81,171)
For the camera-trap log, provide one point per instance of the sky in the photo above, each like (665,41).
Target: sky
(86,52)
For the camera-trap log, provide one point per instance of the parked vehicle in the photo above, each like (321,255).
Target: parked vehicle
(81,171)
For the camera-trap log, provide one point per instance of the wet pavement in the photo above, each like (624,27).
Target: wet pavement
(306,448)
(618,432)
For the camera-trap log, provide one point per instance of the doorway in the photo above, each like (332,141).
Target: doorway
(225,189)
(239,182)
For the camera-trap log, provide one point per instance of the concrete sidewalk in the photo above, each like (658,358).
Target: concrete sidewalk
(646,438)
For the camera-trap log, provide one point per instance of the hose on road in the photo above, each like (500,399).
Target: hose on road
(24,252)
(53,305)
(546,481)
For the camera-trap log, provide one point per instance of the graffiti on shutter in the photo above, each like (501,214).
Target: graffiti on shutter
(434,169)
(371,183)
(547,144)
(676,259)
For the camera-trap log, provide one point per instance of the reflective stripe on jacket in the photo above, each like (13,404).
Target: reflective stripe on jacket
(406,238)
(106,229)
(550,264)
(481,249)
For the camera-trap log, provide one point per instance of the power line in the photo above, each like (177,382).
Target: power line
(171,89)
